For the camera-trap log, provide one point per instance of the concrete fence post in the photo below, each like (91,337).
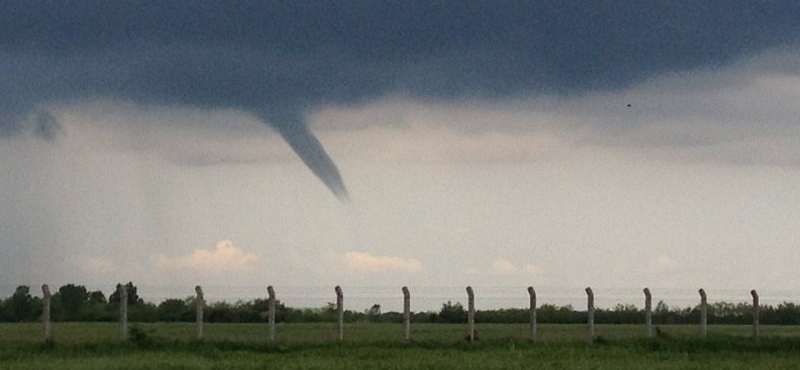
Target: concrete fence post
(46,312)
(340,313)
(703,313)
(532,294)
(406,314)
(590,313)
(123,312)
(271,314)
(648,312)
(470,314)
(200,303)
(756,313)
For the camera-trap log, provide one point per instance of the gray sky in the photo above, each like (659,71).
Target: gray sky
(561,144)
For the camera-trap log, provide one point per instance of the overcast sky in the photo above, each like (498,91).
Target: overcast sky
(559,144)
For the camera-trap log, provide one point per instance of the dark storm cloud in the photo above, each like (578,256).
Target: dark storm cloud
(280,58)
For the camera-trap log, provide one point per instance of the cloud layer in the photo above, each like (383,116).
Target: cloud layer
(278,60)
(285,57)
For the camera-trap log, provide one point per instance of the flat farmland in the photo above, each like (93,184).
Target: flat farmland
(381,346)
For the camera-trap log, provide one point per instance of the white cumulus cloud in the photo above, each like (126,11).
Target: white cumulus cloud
(502,266)
(366,262)
(224,257)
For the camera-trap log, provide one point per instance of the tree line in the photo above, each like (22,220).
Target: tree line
(76,303)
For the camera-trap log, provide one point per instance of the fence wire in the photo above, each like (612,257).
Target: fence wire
(431,298)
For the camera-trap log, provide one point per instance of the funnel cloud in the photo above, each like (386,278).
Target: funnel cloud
(309,149)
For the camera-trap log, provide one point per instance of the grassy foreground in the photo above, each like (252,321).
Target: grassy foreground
(380,346)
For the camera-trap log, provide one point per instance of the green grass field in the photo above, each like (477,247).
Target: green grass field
(380,346)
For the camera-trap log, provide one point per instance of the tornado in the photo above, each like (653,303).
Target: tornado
(296,133)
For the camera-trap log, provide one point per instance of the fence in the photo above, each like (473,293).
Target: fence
(471,333)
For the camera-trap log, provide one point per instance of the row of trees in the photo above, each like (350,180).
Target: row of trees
(70,303)
(76,303)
